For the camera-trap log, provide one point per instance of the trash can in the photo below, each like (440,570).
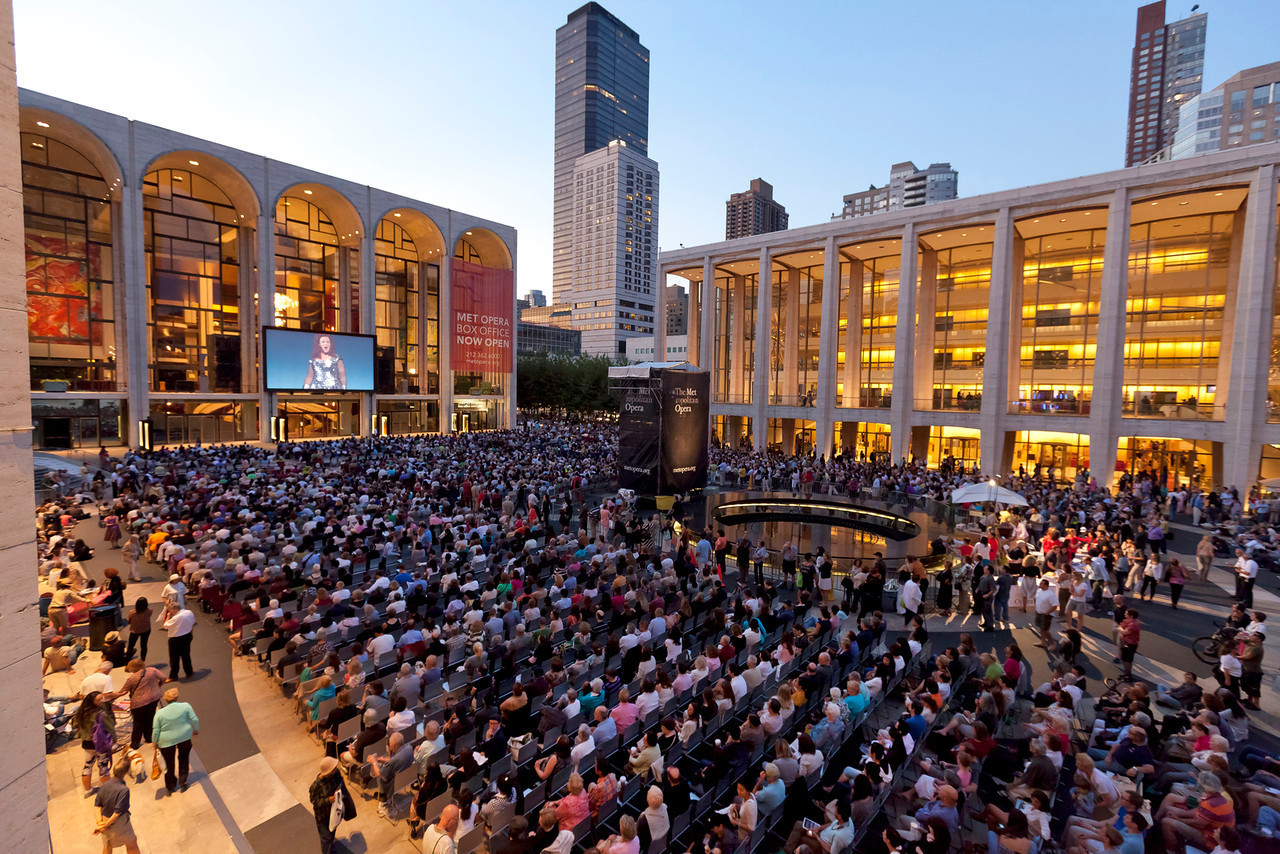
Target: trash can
(102,619)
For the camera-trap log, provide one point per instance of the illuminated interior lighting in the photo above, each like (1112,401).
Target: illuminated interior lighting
(42,124)
(308,192)
(468,234)
(397,215)
(194,162)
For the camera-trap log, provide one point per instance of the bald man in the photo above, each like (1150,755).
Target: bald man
(438,838)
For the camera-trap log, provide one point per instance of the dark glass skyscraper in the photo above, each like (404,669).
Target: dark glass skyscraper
(1167,70)
(602,94)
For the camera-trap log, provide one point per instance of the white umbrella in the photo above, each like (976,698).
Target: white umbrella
(1271,483)
(974,493)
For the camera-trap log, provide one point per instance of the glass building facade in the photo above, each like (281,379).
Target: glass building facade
(145,300)
(1107,324)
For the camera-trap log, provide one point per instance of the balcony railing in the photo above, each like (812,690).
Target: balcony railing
(1041,406)
(966,403)
(1186,410)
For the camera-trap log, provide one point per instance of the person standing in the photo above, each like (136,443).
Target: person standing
(139,628)
(987,589)
(758,558)
(131,552)
(1246,576)
(1204,556)
(179,627)
(1130,634)
(94,723)
(112,804)
(174,727)
(1004,587)
(911,599)
(325,789)
(143,687)
(1046,602)
(1176,575)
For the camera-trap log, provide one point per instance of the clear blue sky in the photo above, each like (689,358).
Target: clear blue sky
(452,102)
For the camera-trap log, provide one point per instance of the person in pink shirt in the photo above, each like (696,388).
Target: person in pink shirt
(625,713)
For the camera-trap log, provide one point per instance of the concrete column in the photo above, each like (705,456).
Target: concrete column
(995,382)
(760,394)
(1252,341)
(693,353)
(421,363)
(1013,365)
(737,340)
(828,341)
(789,390)
(367,284)
(904,348)
(266,283)
(707,317)
(1108,365)
(128,239)
(853,334)
(247,256)
(446,336)
(660,320)
(344,289)
(24,822)
(925,328)
(1222,377)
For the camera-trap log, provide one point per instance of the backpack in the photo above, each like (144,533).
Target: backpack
(103,741)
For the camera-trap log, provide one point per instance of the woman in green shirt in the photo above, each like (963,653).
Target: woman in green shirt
(174,727)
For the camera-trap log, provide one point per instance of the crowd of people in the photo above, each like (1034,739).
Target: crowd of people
(499,661)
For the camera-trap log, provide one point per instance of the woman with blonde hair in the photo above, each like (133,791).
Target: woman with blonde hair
(131,552)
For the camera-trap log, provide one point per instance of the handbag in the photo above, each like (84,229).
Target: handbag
(337,810)
(157,765)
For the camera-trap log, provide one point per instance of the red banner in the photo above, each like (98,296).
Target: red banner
(483,331)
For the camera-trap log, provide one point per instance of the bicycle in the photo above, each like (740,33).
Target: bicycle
(1208,648)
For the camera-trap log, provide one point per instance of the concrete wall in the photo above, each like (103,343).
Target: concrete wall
(24,820)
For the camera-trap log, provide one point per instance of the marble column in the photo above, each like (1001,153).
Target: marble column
(760,391)
(900,413)
(925,323)
(24,821)
(266,282)
(1107,400)
(446,332)
(828,341)
(1251,342)
(129,243)
(707,318)
(660,320)
(995,380)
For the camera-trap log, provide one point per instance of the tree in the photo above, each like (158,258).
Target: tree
(564,385)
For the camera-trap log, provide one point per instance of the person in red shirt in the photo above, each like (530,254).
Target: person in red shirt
(1130,634)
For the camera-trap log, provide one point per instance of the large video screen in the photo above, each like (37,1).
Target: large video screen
(316,361)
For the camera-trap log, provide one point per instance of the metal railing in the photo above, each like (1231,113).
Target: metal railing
(1188,410)
(1036,406)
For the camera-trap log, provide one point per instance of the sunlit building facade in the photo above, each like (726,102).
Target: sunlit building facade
(153,259)
(1116,322)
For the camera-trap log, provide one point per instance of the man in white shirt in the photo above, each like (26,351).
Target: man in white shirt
(381,644)
(340,593)
(1246,575)
(179,627)
(911,598)
(99,680)
(1046,604)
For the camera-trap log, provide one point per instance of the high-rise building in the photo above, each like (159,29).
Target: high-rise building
(677,310)
(1167,69)
(615,227)
(753,212)
(1239,112)
(602,95)
(537,299)
(908,187)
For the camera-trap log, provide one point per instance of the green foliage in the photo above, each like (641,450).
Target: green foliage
(564,385)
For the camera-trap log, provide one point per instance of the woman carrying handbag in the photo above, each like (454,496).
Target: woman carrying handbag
(331,802)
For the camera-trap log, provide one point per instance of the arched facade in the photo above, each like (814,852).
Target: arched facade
(154,260)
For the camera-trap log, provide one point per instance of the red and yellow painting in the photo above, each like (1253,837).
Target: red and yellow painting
(58,290)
